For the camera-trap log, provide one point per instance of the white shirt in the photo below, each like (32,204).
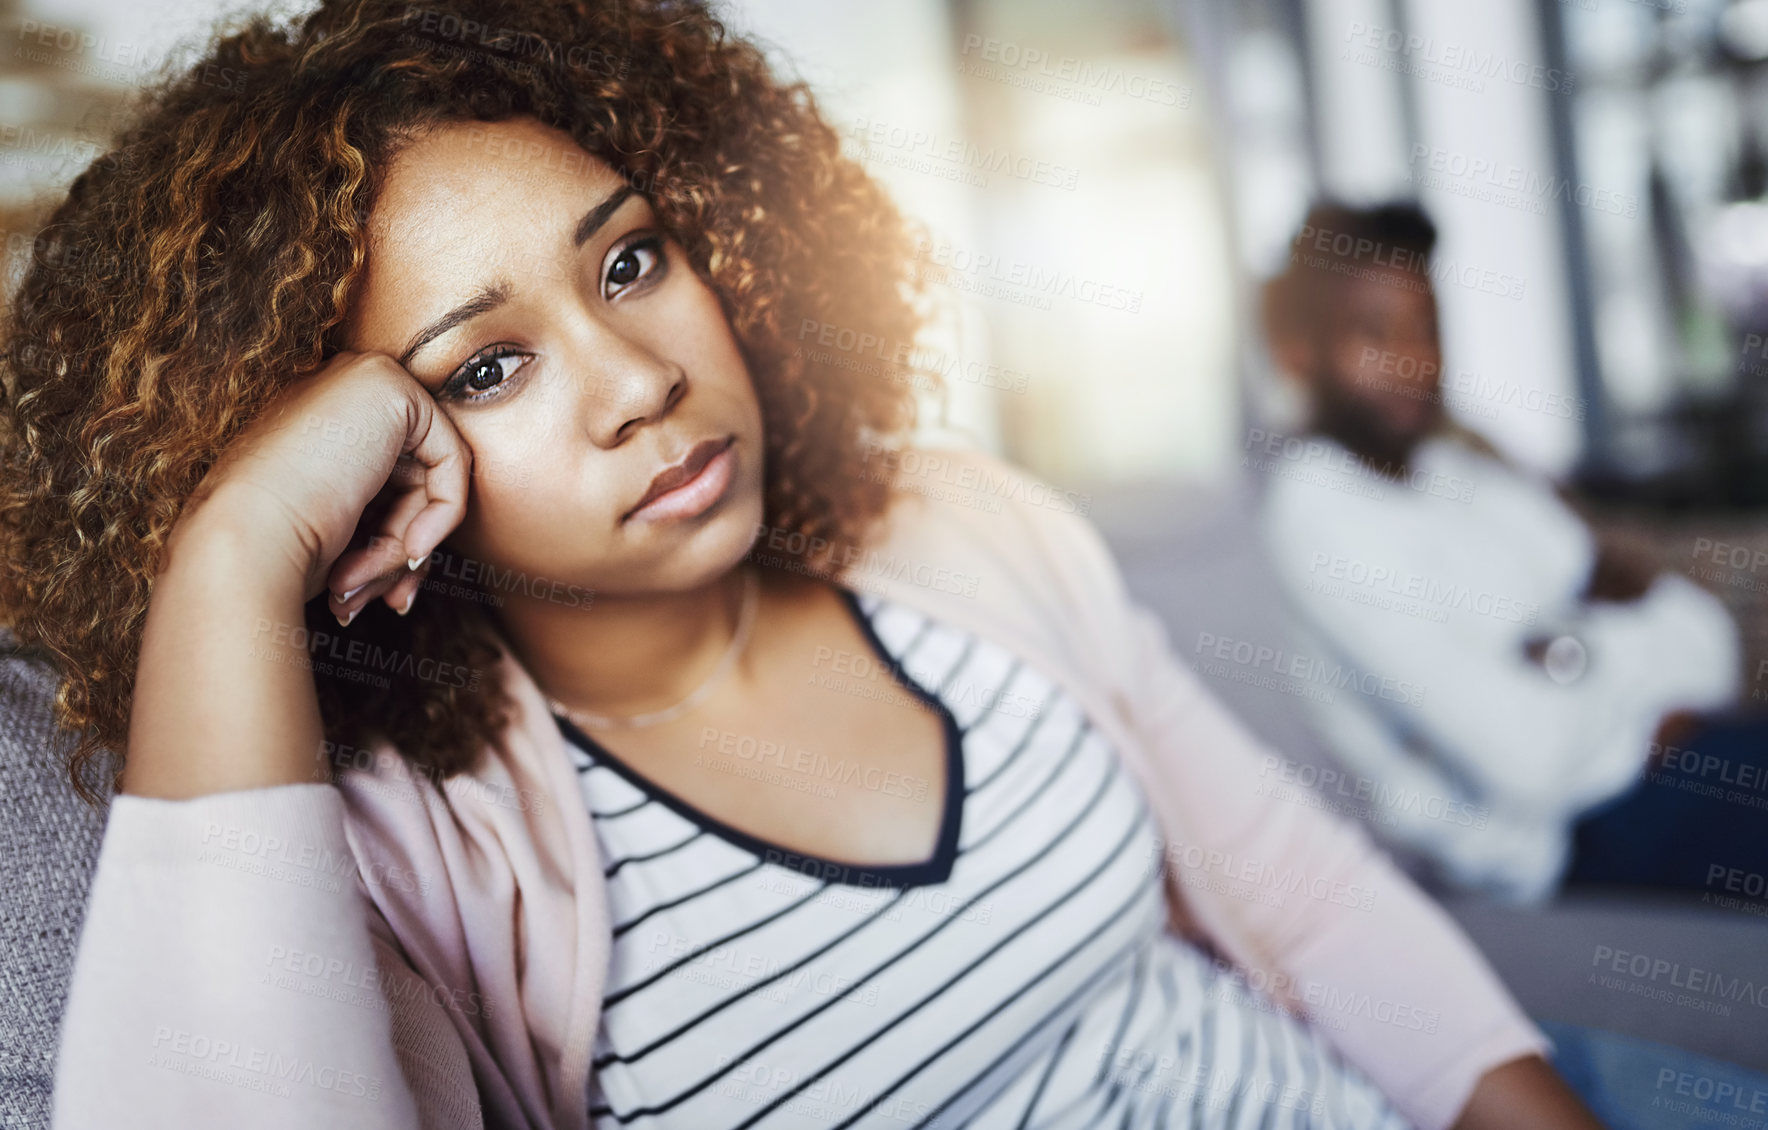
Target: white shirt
(1021,976)
(1484,760)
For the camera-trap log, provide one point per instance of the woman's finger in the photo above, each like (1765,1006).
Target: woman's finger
(447,464)
(362,595)
(384,552)
(403,594)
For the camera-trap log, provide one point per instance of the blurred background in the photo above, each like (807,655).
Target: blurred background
(1101,185)
(1103,189)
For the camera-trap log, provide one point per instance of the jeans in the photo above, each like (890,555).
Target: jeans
(1699,812)
(1638,1085)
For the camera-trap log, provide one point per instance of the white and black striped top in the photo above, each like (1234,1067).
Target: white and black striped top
(1020,978)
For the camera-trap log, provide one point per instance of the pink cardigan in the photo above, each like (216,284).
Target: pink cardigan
(383,954)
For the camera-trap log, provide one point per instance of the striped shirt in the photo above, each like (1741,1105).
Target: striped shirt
(1021,977)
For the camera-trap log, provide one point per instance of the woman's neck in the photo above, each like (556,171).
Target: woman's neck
(625,655)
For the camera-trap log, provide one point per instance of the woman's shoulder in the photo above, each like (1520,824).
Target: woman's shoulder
(976,537)
(966,502)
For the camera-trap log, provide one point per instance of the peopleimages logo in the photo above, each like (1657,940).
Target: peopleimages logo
(1434,595)
(1276,453)
(46,143)
(1714,1093)
(1304,669)
(858,347)
(340,979)
(958,267)
(960,154)
(1327,1004)
(1510,185)
(1258,873)
(917,470)
(1454,57)
(515,45)
(1751,885)
(1704,989)
(1324,248)
(1088,78)
(241,1063)
(1385,799)
(857,566)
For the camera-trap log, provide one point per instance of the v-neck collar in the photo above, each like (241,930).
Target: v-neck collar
(935,869)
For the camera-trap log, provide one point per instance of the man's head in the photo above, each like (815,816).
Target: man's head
(1355,319)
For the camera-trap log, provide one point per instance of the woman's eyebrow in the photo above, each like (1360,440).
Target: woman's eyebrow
(487,299)
(593,219)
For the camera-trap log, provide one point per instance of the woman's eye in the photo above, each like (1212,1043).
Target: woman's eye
(633,263)
(481,377)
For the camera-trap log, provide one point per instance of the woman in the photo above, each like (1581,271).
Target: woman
(546,704)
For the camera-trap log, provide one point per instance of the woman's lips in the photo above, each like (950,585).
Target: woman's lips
(691,486)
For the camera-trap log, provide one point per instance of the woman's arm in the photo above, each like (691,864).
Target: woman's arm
(1524,1092)
(227,976)
(1391,980)
(224,696)
(1396,986)
(227,972)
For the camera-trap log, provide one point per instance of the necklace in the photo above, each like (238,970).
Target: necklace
(745,621)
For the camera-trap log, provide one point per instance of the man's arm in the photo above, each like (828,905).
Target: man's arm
(1622,572)
(1437,1019)
(1623,569)
(1463,682)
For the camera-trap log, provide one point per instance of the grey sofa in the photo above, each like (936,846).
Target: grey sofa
(49,840)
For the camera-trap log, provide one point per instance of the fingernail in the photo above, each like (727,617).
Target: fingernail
(344,598)
(409,597)
(344,621)
(412,563)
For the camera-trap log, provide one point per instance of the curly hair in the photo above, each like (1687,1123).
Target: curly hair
(207,261)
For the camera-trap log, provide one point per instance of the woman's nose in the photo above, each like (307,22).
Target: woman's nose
(630,385)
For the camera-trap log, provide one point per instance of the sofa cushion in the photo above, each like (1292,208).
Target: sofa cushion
(49,839)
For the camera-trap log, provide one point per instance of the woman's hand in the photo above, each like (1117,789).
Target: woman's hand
(1528,1093)
(361,438)
(224,696)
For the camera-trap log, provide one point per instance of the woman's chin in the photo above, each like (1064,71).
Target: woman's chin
(700,555)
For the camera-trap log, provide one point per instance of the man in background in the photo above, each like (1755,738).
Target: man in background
(1542,663)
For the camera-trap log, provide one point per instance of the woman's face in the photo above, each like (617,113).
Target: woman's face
(576,352)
